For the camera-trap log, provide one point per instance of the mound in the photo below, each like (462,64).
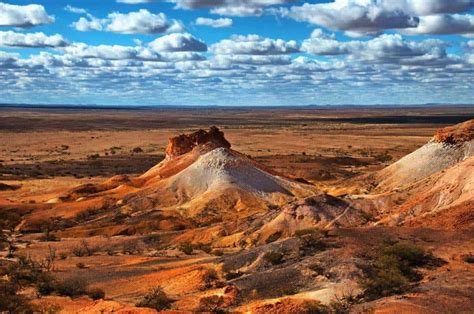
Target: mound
(448,147)
(317,212)
(445,199)
(201,181)
(433,186)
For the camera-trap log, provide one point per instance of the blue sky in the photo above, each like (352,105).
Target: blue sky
(237,52)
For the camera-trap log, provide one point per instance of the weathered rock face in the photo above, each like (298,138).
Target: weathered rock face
(184,143)
(455,134)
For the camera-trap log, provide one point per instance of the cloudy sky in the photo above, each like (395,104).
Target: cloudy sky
(236,52)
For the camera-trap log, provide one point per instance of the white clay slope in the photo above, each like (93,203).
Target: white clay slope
(219,169)
(423,162)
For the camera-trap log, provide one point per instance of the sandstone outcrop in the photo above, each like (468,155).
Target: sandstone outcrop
(184,143)
(455,134)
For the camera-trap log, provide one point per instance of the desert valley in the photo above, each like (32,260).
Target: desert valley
(237,210)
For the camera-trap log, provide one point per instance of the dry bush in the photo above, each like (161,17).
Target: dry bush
(186,248)
(156,299)
(96,293)
(393,269)
(84,249)
(212,304)
(72,287)
(273,257)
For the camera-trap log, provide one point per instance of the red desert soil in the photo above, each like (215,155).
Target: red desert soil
(211,224)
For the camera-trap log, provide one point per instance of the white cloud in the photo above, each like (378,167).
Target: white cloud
(140,22)
(31,40)
(254,45)
(76,10)
(178,42)
(230,7)
(370,17)
(216,23)
(445,24)
(431,7)
(110,52)
(356,17)
(90,24)
(23,15)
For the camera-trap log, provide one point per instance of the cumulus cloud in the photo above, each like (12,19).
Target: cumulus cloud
(140,22)
(385,49)
(216,23)
(230,7)
(178,42)
(23,15)
(88,24)
(31,40)
(430,7)
(355,17)
(109,52)
(370,17)
(445,24)
(254,45)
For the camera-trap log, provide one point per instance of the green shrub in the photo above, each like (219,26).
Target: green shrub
(155,299)
(394,268)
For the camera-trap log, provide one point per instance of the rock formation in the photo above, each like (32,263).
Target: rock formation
(456,134)
(184,143)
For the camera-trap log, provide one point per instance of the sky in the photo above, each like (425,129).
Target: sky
(236,52)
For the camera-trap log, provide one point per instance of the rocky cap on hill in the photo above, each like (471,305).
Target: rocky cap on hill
(184,143)
(455,134)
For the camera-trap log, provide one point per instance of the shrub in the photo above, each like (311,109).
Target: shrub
(217,252)
(206,248)
(469,258)
(63,255)
(132,247)
(10,301)
(155,299)
(212,304)
(96,293)
(233,275)
(46,284)
(273,258)
(72,287)
(84,249)
(137,150)
(384,157)
(210,277)
(186,248)
(153,240)
(80,265)
(393,269)
(49,237)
